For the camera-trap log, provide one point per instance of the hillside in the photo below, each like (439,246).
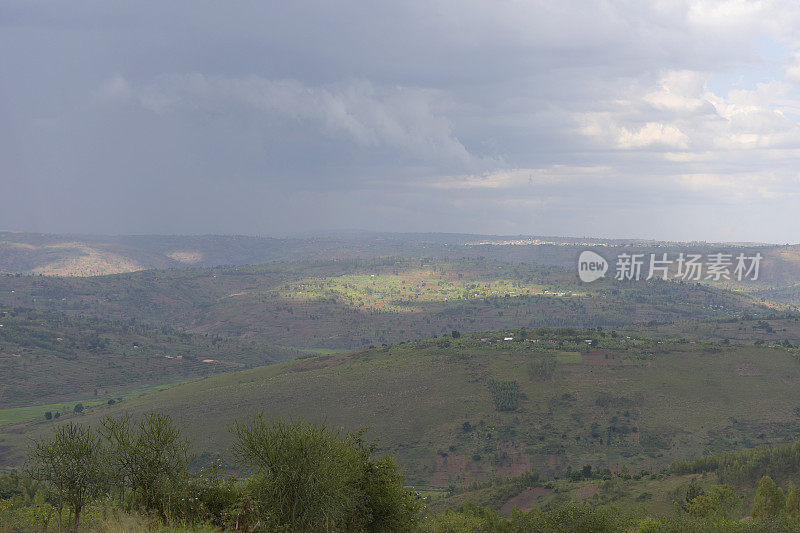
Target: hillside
(92,255)
(48,357)
(455,410)
(356,303)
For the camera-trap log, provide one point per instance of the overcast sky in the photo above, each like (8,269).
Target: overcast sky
(663,119)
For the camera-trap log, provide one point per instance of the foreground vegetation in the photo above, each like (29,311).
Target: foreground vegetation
(133,474)
(301,477)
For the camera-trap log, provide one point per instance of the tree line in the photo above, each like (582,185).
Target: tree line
(301,476)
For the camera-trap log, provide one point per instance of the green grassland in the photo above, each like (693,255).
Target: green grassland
(458,410)
(357,303)
(15,415)
(48,357)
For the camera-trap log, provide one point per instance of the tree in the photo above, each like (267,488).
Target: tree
(793,501)
(720,500)
(769,500)
(308,478)
(48,415)
(78,408)
(148,457)
(70,466)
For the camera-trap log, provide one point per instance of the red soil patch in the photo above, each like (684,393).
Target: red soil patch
(514,461)
(525,500)
(449,468)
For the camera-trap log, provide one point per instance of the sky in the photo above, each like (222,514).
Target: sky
(667,119)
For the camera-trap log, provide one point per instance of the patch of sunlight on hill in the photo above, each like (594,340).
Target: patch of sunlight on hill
(186,257)
(81,260)
(403,290)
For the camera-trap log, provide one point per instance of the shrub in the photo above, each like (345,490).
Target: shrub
(308,478)
(148,457)
(505,395)
(70,467)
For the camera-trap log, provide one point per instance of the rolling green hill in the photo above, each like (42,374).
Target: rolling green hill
(50,357)
(355,303)
(92,255)
(456,410)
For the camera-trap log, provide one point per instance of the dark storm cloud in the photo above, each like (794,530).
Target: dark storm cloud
(661,119)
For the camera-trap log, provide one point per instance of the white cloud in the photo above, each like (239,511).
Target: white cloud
(517,178)
(653,134)
(679,91)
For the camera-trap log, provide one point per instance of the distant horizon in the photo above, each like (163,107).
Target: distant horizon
(346,231)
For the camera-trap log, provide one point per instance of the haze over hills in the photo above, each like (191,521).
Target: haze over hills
(89,255)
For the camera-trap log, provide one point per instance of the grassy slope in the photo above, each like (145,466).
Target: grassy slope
(772,330)
(634,403)
(48,357)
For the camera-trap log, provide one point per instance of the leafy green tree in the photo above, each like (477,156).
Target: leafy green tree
(308,478)
(505,394)
(793,501)
(387,504)
(572,518)
(148,457)
(719,500)
(70,466)
(769,500)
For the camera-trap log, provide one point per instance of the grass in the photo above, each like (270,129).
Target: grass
(24,414)
(313,351)
(402,290)
(17,415)
(48,357)
(634,403)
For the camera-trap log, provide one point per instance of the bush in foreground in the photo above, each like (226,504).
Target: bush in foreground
(306,477)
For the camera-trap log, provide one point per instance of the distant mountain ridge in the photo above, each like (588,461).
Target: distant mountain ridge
(93,255)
